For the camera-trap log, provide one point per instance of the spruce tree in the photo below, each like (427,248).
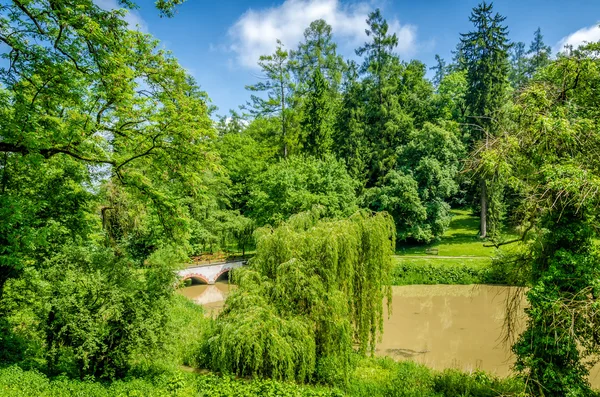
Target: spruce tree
(485,57)
(539,53)
(318,70)
(519,65)
(440,68)
(349,136)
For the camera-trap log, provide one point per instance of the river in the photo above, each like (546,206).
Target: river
(441,326)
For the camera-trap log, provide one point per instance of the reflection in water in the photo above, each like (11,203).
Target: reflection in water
(211,297)
(441,326)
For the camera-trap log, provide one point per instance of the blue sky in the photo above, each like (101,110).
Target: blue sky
(218,42)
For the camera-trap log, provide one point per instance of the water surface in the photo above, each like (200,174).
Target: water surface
(441,326)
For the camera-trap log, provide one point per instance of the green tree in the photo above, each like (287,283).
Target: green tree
(317,118)
(519,65)
(349,136)
(103,138)
(318,51)
(440,68)
(299,183)
(318,70)
(539,53)
(279,88)
(387,125)
(415,193)
(316,287)
(485,58)
(550,151)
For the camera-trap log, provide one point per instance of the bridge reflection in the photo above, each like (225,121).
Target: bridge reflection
(210,296)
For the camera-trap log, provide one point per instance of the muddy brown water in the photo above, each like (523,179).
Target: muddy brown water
(441,326)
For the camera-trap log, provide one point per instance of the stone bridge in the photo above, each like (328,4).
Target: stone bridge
(209,273)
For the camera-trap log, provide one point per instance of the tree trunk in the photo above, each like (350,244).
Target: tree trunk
(483,208)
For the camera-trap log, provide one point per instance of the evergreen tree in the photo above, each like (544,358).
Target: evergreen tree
(440,68)
(485,57)
(279,89)
(519,65)
(318,71)
(318,51)
(317,120)
(350,143)
(539,53)
(387,125)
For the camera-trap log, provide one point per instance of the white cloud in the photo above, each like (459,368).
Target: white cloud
(133,18)
(585,35)
(256,31)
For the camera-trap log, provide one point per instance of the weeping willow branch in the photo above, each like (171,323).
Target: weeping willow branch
(315,288)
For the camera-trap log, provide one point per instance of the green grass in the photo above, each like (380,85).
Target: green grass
(373,377)
(461,239)
(462,257)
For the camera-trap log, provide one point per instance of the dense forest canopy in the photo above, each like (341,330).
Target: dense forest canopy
(115,170)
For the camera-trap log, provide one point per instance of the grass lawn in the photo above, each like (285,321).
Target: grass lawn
(478,262)
(462,257)
(460,240)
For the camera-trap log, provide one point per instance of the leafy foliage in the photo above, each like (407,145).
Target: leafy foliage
(316,287)
(552,156)
(299,183)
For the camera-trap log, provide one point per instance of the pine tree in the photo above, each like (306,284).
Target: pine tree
(485,57)
(279,88)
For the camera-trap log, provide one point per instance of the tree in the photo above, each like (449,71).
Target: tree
(103,138)
(539,53)
(316,287)
(317,119)
(387,125)
(73,96)
(519,68)
(551,153)
(350,140)
(425,176)
(318,51)
(440,68)
(299,183)
(318,71)
(485,52)
(279,89)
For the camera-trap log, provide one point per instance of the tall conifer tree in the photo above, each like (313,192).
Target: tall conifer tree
(485,58)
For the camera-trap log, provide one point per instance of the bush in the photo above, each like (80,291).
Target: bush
(440,271)
(383,377)
(452,382)
(408,272)
(15,382)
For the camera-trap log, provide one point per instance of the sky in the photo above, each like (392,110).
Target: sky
(219,42)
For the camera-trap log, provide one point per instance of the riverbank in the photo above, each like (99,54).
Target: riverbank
(458,257)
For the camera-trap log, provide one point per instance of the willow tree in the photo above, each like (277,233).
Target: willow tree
(314,289)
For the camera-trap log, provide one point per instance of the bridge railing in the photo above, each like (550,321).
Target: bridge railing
(196,261)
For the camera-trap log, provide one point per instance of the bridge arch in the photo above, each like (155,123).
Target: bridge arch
(223,275)
(198,278)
